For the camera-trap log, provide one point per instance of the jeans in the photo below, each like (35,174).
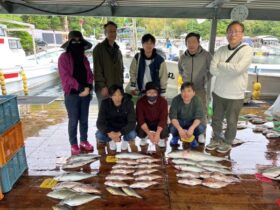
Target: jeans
(103,137)
(77,109)
(185,124)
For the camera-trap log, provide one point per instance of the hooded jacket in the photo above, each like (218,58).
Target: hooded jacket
(112,118)
(195,68)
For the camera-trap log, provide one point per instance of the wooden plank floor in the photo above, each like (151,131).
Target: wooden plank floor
(45,128)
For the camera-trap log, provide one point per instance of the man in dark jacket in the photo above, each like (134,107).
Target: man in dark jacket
(108,63)
(116,118)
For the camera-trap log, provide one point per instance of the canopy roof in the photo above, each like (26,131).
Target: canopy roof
(207,9)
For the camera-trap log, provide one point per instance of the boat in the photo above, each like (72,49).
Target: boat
(40,69)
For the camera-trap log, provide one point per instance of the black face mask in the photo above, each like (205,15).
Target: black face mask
(152,98)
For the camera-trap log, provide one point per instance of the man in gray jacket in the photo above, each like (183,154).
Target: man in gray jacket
(194,67)
(108,63)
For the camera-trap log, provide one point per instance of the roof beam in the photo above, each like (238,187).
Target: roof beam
(6,7)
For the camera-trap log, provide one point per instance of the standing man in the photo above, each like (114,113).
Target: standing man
(108,63)
(194,66)
(230,66)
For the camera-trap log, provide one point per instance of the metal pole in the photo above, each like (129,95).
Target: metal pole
(213,35)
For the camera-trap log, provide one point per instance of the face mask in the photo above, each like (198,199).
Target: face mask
(152,98)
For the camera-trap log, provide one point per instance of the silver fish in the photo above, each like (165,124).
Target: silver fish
(241,125)
(191,182)
(131,155)
(213,183)
(272,173)
(259,128)
(184,162)
(113,183)
(76,164)
(224,178)
(205,174)
(68,185)
(79,199)
(189,168)
(86,188)
(131,192)
(148,160)
(123,166)
(215,169)
(149,177)
(122,171)
(188,174)
(115,191)
(151,165)
(257,120)
(118,177)
(211,163)
(80,157)
(143,185)
(273,135)
(61,193)
(127,161)
(75,176)
(144,171)
(62,207)
(193,155)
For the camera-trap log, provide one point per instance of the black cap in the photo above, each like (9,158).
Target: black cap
(151,86)
(76,34)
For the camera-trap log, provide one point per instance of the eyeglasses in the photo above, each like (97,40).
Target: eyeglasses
(76,42)
(234,32)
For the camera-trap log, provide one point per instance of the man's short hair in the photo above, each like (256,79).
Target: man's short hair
(236,23)
(192,34)
(148,37)
(187,85)
(110,23)
(114,88)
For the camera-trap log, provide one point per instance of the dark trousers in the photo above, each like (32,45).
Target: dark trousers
(152,127)
(229,109)
(77,110)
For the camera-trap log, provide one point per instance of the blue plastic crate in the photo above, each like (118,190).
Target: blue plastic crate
(9,114)
(12,171)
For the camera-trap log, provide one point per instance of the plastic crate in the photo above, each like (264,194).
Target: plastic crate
(12,171)
(9,114)
(10,142)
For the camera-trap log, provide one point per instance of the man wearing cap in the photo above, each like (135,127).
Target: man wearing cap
(76,79)
(151,114)
(108,63)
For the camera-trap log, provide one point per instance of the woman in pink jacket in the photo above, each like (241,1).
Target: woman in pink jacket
(77,79)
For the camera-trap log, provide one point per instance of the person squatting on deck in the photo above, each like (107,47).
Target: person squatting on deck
(116,119)
(76,79)
(147,66)
(186,115)
(231,82)
(108,63)
(152,113)
(194,66)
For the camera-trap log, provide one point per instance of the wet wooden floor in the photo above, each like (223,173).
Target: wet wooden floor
(45,129)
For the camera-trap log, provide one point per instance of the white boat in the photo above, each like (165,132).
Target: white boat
(41,71)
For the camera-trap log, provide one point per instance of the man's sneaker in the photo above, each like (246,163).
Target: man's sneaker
(85,145)
(174,141)
(124,145)
(201,139)
(143,142)
(112,145)
(194,144)
(213,145)
(75,150)
(224,148)
(161,143)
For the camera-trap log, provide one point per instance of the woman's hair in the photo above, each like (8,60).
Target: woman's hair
(148,37)
(114,88)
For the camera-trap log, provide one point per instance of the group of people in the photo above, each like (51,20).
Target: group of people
(119,121)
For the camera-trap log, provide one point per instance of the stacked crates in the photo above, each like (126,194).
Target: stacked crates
(12,153)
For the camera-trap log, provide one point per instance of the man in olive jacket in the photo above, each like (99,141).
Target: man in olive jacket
(108,63)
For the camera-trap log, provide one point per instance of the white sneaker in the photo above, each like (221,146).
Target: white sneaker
(143,142)
(124,145)
(201,139)
(112,145)
(161,143)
